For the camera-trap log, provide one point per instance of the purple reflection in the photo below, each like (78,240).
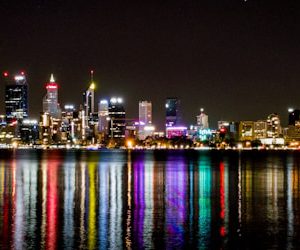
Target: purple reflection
(176,202)
(139,201)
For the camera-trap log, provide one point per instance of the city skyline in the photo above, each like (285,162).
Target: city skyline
(202,53)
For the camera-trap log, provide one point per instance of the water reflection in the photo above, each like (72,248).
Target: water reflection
(118,199)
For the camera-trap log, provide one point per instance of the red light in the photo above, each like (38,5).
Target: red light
(51,86)
(5,74)
(222,130)
(22,73)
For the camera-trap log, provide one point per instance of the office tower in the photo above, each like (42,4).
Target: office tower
(260,130)
(294,115)
(89,97)
(145,112)
(50,100)
(16,98)
(103,115)
(29,131)
(246,130)
(273,126)
(202,120)
(116,113)
(172,112)
(68,116)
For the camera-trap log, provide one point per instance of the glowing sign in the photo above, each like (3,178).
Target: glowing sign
(204,134)
(51,86)
(149,128)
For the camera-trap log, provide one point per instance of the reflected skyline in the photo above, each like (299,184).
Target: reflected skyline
(148,199)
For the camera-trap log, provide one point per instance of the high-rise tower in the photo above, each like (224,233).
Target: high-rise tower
(50,100)
(145,112)
(202,120)
(89,97)
(172,112)
(16,97)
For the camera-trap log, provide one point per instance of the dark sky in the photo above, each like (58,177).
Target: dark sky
(239,60)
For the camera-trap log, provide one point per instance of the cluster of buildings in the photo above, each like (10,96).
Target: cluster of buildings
(105,124)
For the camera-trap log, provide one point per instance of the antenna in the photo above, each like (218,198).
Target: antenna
(92,75)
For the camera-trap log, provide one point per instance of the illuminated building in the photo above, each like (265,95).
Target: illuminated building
(145,128)
(50,100)
(260,130)
(145,112)
(292,134)
(89,97)
(45,129)
(172,112)
(116,117)
(29,131)
(202,120)
(16,97)
(273,126)
(103,115)
(294,115)
(145,131)
(176,131)
(246,130)
(68,117)
(228,130)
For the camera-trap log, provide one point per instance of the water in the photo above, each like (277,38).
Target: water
(161,199)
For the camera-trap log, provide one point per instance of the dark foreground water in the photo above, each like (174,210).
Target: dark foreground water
(161,199)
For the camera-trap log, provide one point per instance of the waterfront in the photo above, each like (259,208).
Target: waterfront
(149,199)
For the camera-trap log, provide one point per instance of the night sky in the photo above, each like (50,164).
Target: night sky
(239,60)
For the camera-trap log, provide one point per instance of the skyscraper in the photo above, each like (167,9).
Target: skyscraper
(273,126)
(50,100)
(145,112)
(103,114)
(89,97)
(294,115)
(202,120)
(16,97)
(172,112)
(116,113)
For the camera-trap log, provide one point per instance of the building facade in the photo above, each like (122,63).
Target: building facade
(202,120)
(173,116)
(117,118)
(50,100)
(16,98)
(145,112)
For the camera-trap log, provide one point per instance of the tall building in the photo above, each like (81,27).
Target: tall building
(172,112)
(145,112)
(89,97)
(103,115)
(202,120)
(50,100)
(294,116)
(16,97)
(117,123)
(246,130)
(260,129)
(273,126)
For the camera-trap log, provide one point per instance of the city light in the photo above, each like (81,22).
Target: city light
(92,86)
(51,86)
(103,102)
(19,77)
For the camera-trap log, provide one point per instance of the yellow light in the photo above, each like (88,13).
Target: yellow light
(92,86)
(15,144)
(129,144)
